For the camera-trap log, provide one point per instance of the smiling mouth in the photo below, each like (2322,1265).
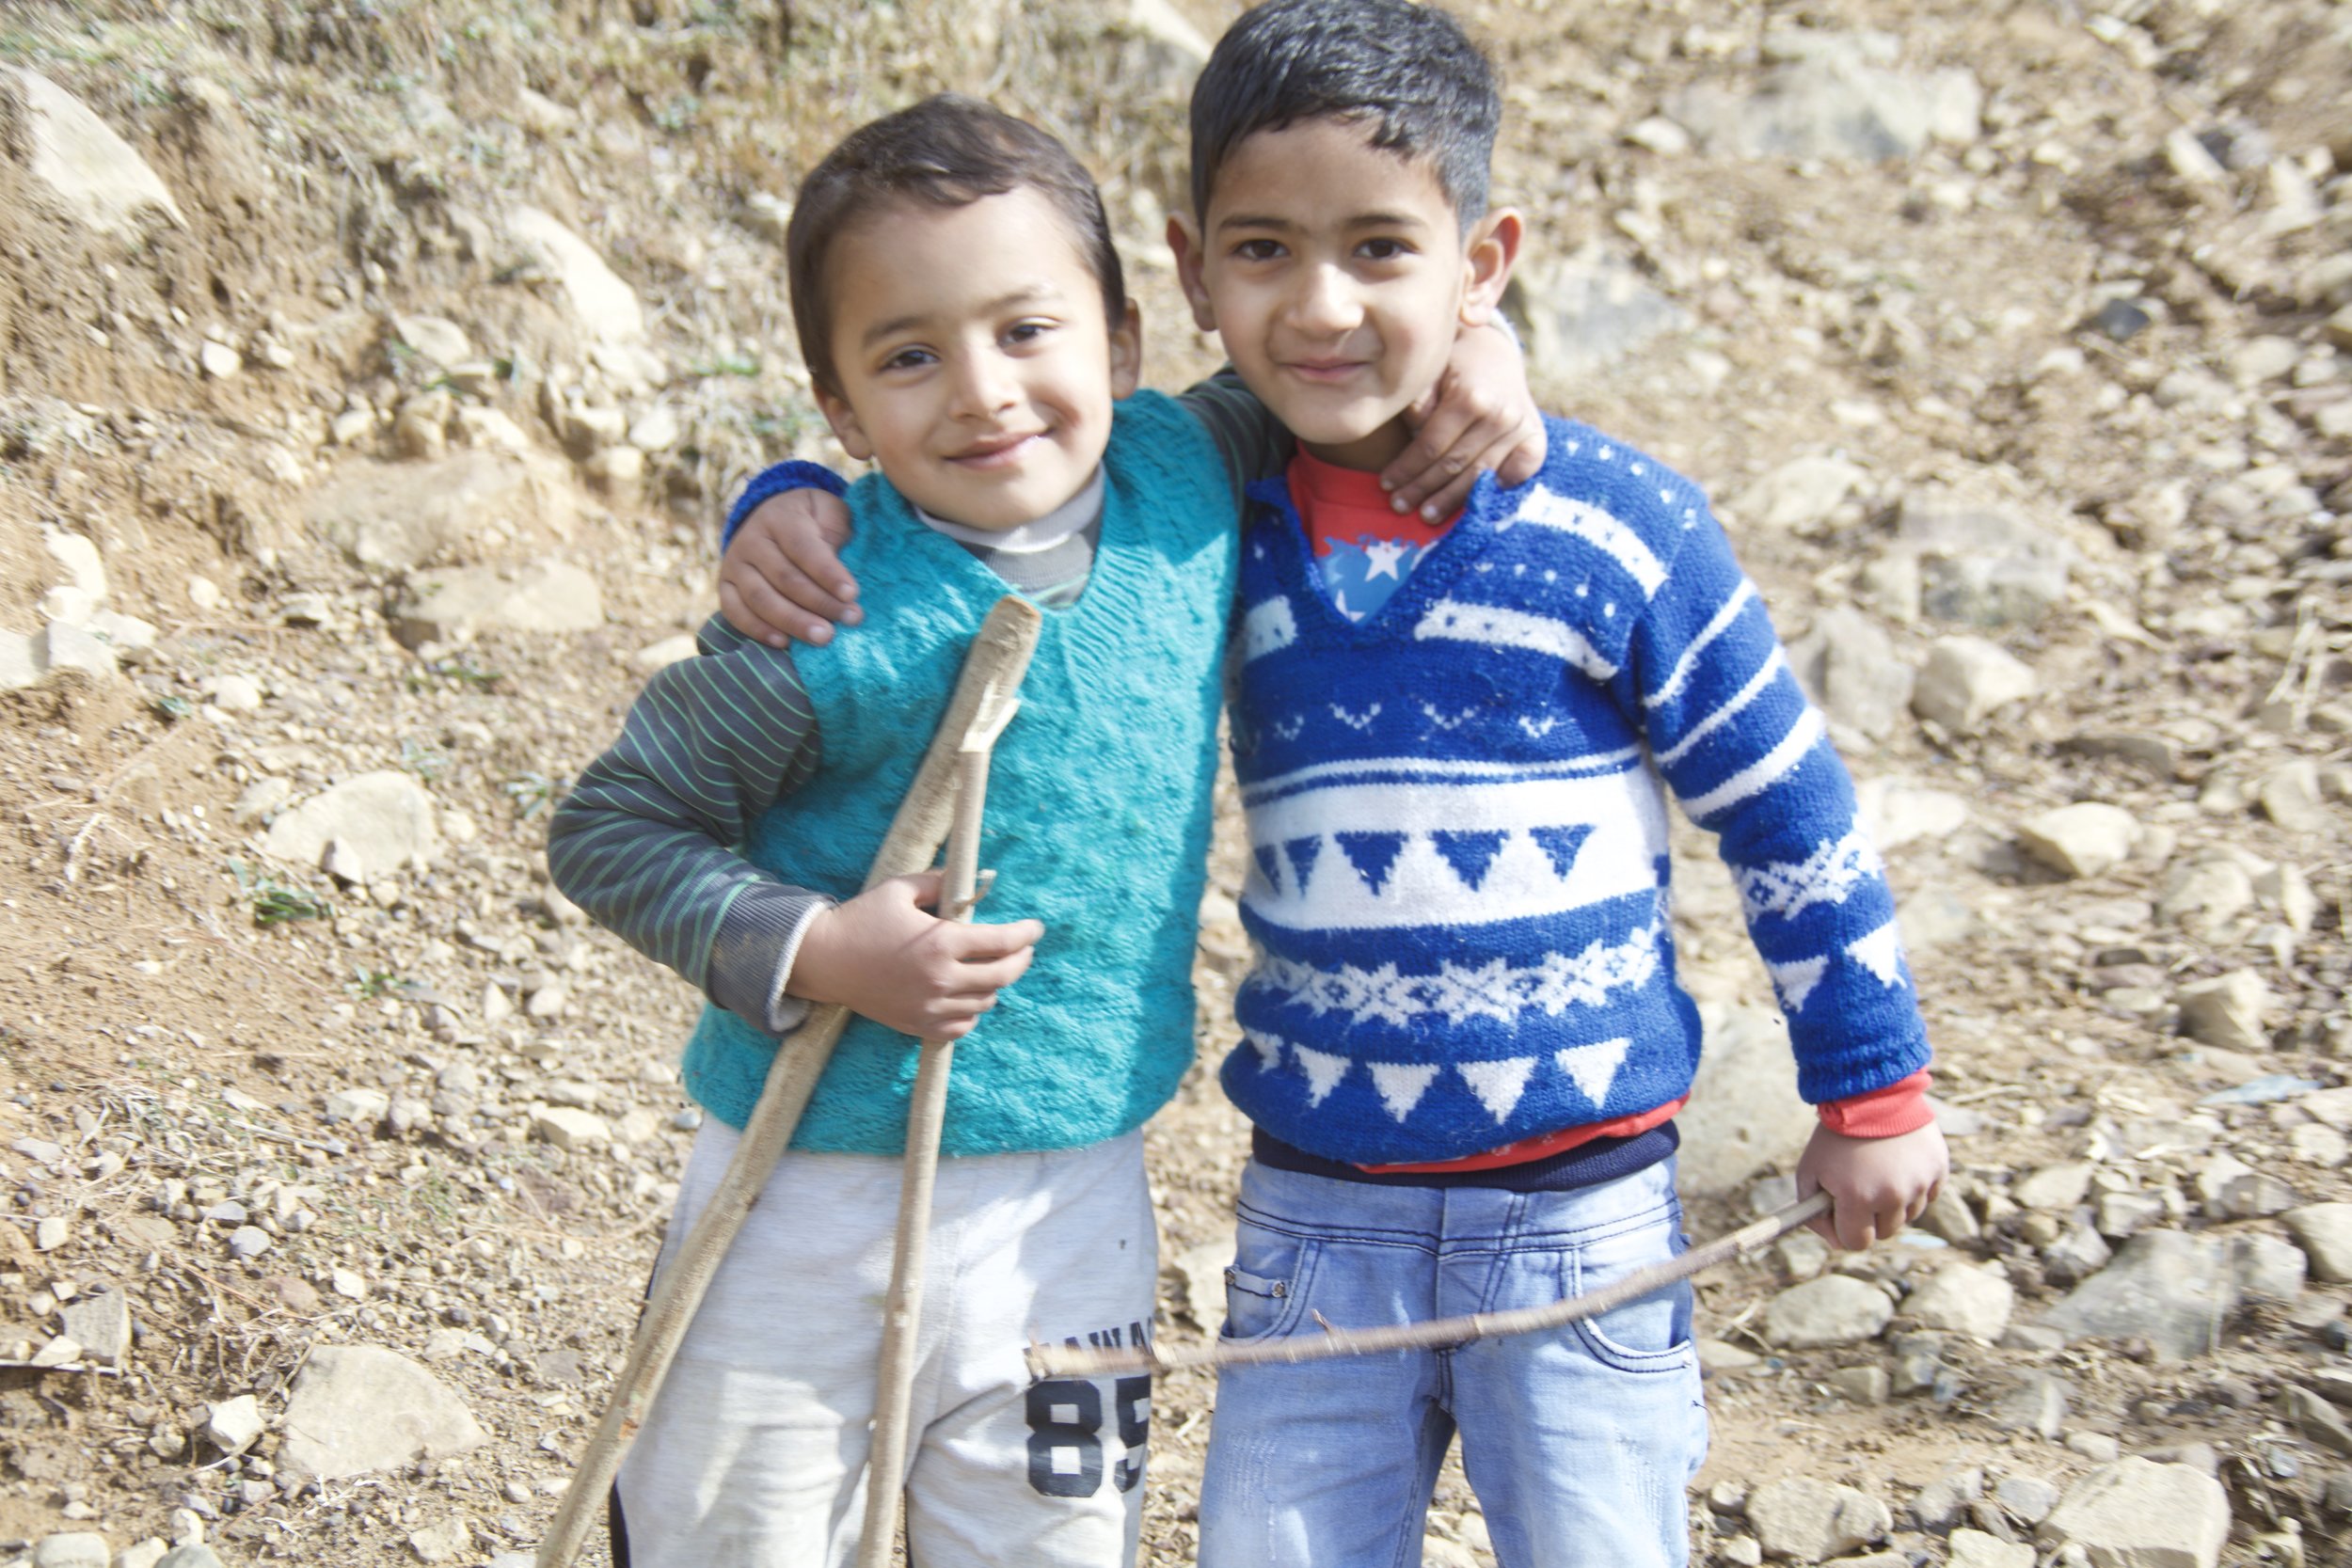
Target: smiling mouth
(996,452)
(1324,370)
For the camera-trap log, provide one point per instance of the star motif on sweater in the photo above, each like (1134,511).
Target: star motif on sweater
(1788,888)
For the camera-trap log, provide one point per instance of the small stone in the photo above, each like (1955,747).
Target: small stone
(361,1107)
(2325,1232)
(1975,1548)
(437,339)
(670,650)
(384,818)
(2029,1497)
(2169,1286)
(2134,1514)
(2076,1256)
(361,1408)
(2206,893)
(102,1322)
(191,1554)
(61,1351)
(2032,1402)
(143,1554)
(71,1549)
(1800,496)
(2053,1187)
(1837,1310)
(567,1127)
(1945,1498)
(1744,1551)
(1722,1355)
(1949,1217)
(348,1284)
(2291,796)
(220,360)
(1863,1384)
(1967,680)
(440,1542)
(51,1233)
(2317,1143)
(658,430)
(1965,1300)
(232,1425)
(2285,889)
(2081,840)
(1804,1520)
(2097,1447)
(2227,1012)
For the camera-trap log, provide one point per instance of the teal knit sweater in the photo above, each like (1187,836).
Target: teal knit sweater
(1098,809)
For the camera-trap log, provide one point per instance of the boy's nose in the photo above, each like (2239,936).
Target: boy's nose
(1327,301)
(984,386)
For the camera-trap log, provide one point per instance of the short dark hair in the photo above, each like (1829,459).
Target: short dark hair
(1409,70)
(945,151)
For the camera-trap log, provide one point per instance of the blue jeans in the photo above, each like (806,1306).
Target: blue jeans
(1578,1442)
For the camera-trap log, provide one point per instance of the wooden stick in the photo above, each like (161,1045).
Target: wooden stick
(999,656)
(927,1115)
(1081,1361)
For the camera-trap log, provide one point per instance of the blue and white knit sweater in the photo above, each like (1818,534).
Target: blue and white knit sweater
(1459,889)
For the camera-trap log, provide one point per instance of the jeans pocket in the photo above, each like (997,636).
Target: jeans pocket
(1266,1287)
(1651,1333)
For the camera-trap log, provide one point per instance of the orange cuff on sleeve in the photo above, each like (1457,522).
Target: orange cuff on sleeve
(1901,1107)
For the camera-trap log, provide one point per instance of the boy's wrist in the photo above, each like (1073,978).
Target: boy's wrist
(1900,1107)
(769,483)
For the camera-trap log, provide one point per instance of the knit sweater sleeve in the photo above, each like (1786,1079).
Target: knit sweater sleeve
(646,843)
(1707,680)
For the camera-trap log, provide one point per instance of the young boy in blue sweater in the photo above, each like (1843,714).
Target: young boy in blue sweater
(960,309)
(1463,1043)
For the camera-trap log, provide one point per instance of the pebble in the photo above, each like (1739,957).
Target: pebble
(1863,1384)
(2325,1232)
(72,1549)
(1974,1548)
(1837,1310)
(2134,1514)
(2080,840)
(248,1240)
(1804,1520)
(231,1425)
(2029,1497)
(101,1323)
(2097,1447)
(2032,1402)
(2169,1286)
(2227,1012)
(51,1232)
(1964,1299)
(2056,1187)
(357,1409)
(567,1127)
(1967,680)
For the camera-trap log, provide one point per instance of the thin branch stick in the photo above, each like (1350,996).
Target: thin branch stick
(927,1114)
(1080,1361)
(999,656)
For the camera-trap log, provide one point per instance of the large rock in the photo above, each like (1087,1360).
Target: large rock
(602,303)
(1967,680)
(1589,310)
(2227,1012)
(1850,667)
(1832,105)
(1744,1113)
(378,823)
(1835,1310)
(2137,1513)
(2080,840)
(404,516)
(2325,1232)
(91,174)
(2170,1288)
(361,1408)
(101,1325)
(1964,1299)
(1804,1520)
(1802,496)
(457,604)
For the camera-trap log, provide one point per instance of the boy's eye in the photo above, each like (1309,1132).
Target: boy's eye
(907,358)
(1383,250)
(1028,332)
(1258,250)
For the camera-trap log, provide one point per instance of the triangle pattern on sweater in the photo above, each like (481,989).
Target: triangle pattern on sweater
(1881,953)
(1795,980)
(1498,1084)
(1402,1085)
(1269,1049)
(1371,854)
(1470,852)
(1594,1067)
(1324,1073)
(1560,845)
(1303,853)
(1270,863)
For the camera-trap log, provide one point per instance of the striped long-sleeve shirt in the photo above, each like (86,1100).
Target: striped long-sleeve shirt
(646,842)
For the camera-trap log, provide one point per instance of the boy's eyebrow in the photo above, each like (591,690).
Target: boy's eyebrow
(1031,294)
(1360,221)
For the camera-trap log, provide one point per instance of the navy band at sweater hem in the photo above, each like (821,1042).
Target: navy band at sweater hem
(1589,1165)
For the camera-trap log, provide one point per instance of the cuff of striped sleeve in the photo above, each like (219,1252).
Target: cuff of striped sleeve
(771,483)
(751,962)
(1888,1113)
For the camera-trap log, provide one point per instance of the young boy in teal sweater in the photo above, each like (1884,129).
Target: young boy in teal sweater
(1463,1045)
(961,313)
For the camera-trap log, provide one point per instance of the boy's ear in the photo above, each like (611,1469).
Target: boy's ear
(846,429)
(1184,238)
(1486,262)
(1127,353)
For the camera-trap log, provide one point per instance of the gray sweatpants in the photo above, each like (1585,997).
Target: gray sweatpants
(755,1454)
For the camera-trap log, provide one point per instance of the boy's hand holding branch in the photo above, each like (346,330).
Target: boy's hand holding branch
(883,956)
(1878,1184)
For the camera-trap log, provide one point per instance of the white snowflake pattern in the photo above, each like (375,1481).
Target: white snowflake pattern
(1498,988)
(1788,888)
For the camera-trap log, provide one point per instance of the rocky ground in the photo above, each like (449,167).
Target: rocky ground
(374,376)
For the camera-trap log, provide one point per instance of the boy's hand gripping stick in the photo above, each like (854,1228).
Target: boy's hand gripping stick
(999,656)
(926,1112)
